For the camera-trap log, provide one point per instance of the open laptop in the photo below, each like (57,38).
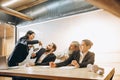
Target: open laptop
(4,64)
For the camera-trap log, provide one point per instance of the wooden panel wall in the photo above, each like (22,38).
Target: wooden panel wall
(6,30)
(7,41)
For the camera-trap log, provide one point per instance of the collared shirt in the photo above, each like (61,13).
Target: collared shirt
(42,57)
(82,55)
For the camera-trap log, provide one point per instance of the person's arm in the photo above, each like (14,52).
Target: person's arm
(67,61)
(32,42)
(50,58)
(24,41)
(34,55)
(89,60)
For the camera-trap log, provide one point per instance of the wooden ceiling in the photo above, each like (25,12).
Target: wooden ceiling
(13,8)
(112,6)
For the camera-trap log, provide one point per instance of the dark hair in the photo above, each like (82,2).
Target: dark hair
(54,47)
(30,32)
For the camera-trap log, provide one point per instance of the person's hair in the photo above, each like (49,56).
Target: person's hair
(76,43)
(54,47)
(30,32)
(88,42)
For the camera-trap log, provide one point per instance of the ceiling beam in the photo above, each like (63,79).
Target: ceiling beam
(112,6)
(15,13)
(29,5)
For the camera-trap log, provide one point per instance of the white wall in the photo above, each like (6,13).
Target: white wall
(99,26)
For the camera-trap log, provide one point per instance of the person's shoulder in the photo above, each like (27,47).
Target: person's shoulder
(23,38)
(42,49)
(91,53)
(52,54)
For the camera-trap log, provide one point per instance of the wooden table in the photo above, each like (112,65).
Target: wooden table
(57,73)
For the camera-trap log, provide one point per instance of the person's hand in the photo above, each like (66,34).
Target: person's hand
(40,43)
(95,68)
(101,71)
(30,46)
(75,63)
(52,64)
(36,49)
(33,54)
(30,64)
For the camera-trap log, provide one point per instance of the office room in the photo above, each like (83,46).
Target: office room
(61,22)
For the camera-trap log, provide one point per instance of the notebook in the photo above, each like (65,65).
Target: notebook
(4,65)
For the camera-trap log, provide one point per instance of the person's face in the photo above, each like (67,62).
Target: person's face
(49,47)
(72,47)
(31,37)
(83,47)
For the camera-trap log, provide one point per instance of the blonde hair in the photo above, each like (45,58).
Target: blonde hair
(88,42)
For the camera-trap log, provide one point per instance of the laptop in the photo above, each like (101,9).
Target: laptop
(4,64)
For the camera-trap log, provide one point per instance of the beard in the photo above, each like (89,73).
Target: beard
(70,52)
(48,50)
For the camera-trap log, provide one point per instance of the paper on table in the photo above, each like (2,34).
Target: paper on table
(67,67)
(45,66)
(14,67)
